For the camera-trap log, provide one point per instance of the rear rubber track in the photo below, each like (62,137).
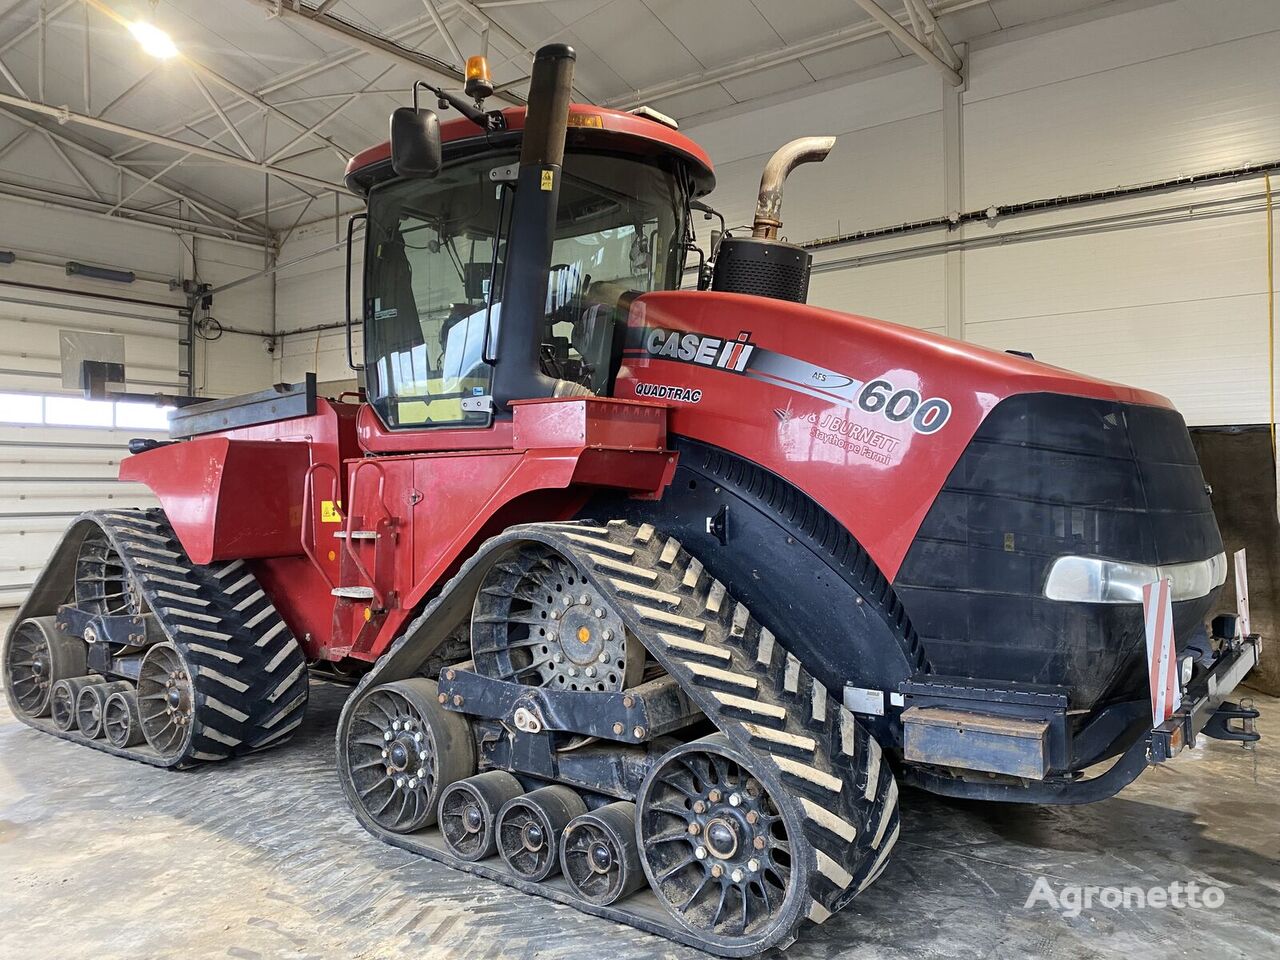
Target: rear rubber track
(248,673)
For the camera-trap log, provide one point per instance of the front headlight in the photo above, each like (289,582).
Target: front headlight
(1090,580)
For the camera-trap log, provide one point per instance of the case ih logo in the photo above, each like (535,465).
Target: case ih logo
(706,351)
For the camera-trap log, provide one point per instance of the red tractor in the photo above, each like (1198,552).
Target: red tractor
(651,597)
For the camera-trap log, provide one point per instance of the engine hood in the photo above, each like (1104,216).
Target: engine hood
(865,416)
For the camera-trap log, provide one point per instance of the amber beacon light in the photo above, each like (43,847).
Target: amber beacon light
(479,83)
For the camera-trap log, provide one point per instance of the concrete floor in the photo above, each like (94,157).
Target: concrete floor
(103,858)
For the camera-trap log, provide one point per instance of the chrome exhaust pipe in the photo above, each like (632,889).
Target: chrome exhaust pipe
(769,201)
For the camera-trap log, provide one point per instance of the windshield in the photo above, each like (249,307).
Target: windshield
(433,274)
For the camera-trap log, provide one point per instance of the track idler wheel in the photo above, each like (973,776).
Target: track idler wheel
(722,855)
(37,656)
(400,750)
(91,704)
(120,720)
(600,855)
(65,697)
(469,810)
(166,700)
(529,829)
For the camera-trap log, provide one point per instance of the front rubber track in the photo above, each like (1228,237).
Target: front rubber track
(741,676)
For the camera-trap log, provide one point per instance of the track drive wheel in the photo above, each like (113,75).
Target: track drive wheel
(401,748)
(469,811)
(538,622)
(720,851)
(36,657)
(600,856)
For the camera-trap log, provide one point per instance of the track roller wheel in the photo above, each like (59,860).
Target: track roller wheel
(469,809)
(166,700)
(120,720)
(401,748)
(600,855)
(529,829)
(719,851)
(91,704)
(64,698)
(38,656)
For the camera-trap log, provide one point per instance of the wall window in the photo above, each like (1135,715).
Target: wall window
(21,408)
(69,411)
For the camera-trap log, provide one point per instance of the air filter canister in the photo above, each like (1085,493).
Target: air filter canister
(762,268)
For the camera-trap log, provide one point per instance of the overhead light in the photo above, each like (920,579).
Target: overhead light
(153,40)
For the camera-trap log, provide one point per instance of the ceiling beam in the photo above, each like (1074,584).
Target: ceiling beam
(833,40)
(218,78)
(53,14)
(931,33)
(291,79)
(370,42)
(222,115)
(283,151)
(63,115)
(13,81)
(38,195)
(444,33)
(207,209)
(76,172)
(908,40)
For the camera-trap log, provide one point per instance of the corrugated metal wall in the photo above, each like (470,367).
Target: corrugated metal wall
(49,473)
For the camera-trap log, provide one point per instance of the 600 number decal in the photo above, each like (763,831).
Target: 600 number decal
(926,416)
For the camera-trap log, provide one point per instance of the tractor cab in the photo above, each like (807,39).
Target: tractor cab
(438,248)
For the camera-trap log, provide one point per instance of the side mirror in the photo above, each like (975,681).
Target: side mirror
(415,142)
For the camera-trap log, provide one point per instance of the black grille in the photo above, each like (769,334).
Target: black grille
(1048,475)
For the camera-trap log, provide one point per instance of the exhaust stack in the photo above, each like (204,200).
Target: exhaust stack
(517,371)
(762,265)
(787,158)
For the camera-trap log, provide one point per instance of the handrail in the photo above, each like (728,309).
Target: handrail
(348,540)
(308,510)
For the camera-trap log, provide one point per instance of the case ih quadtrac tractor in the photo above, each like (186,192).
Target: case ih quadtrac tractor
(651,597)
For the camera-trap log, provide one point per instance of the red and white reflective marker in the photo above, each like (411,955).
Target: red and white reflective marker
(1242,594)
(1162,656)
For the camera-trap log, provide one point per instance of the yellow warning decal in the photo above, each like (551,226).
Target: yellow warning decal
(330,511)
(548,179)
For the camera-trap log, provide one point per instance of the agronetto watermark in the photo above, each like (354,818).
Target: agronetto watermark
(1071,900)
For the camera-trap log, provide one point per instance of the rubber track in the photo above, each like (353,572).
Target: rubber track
(249,674)
(758,695)
(747,684)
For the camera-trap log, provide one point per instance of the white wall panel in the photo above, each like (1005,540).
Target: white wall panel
(48,474)
(1206,109)
(910,292)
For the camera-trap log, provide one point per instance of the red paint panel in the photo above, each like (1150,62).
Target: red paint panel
(589,422)
(227,498)
(790,409)
(620,130)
